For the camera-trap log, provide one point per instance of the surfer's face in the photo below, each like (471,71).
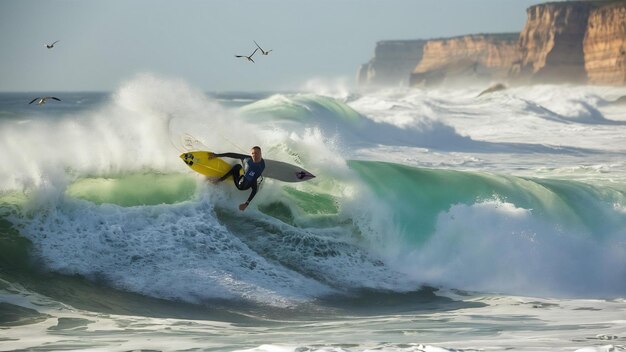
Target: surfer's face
(256,155)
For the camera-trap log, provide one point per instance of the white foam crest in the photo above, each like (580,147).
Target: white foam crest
(337,87)
(493,246)
(128,133)
(420,116)
(176,252)
(409,347)
(563,104)
(408,108)
(605,348)
(311,149)
(379,125)
(391,111)
(557,97)
(548,115)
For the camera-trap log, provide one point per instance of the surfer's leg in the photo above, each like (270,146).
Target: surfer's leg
(234,171)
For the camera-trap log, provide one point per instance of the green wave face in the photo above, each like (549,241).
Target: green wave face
(14,248)
(301,108)
(134,189)
(418,196)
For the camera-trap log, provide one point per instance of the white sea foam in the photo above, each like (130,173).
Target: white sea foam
(568,116)
(129,132)
(338,87)
(494,246)
(178,252)
(191,251)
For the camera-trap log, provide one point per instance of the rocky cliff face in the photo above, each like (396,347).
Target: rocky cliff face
(574,41)
(476,57)
(562,42)
(392,63)
(551,44)
(604,45)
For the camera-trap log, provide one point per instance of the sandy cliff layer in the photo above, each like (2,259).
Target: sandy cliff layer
(481,56)
(574,41)
(392,63)
(551,44)
(562,42)
(604,45)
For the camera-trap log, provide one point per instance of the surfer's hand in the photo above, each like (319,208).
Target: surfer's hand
(243,206)
(211,155)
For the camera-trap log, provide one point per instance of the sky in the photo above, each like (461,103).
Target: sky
(102,44)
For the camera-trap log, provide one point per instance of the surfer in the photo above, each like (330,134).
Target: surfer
(253,166)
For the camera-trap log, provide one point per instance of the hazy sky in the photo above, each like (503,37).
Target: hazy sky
(104,43)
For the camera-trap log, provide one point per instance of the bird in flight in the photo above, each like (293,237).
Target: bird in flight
(50,46)
(42,100)
(248,57)
(262,51)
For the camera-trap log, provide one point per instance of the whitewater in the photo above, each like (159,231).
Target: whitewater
(438,221)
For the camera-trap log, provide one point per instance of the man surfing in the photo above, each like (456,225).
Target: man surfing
(253,167)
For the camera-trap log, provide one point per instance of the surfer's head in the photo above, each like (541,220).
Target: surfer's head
(255,153)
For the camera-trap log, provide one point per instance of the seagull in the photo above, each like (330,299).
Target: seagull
(262,51)
(42,100)
(50,46)
(248,57)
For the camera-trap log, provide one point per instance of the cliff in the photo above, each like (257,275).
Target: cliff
(561,42)
(392,63)
(604,45)
(551,44)
(574,41)
(477,57)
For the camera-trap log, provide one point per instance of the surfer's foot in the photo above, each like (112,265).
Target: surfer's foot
(218,180)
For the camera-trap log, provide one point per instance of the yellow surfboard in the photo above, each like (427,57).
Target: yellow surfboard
(199,162)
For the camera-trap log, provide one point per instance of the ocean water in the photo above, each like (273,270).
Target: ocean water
(438,221)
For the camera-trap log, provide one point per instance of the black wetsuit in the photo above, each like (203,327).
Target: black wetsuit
(251,172)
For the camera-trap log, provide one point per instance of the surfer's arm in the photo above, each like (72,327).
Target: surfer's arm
(231,155)
(243,206)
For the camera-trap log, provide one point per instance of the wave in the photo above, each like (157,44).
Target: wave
(134,189)
(392,228)
(571,104)
(427,114)
(112,203)
(352,129)
(137,128)
(507,234)
(200,250)
(578,111)
(335,117)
